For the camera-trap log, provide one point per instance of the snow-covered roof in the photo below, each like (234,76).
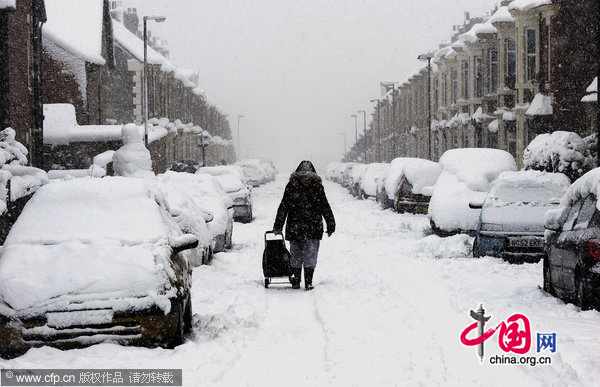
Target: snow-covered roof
(540,106)
(526,5)
(502,15)
(593,92)
(76,26)
(8,4)
(134,45)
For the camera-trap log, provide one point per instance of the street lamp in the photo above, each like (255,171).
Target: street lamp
(158,19)
(344,134)
(387,86)
(378,128)
(238,136)
(427,57)
(364,112)
(355,127)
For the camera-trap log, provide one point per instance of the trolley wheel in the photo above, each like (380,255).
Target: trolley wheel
(267,282)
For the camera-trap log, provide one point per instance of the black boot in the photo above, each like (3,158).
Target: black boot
(308,276)
(295,277)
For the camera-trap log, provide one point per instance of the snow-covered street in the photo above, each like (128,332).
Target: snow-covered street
(389,305)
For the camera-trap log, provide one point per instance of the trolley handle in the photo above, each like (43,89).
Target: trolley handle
(273,232)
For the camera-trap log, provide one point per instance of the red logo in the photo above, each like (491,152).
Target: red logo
(514,335)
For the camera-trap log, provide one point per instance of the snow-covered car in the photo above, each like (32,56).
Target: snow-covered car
(236,189)
(92,260)
(192,219)
(356,175)
(189,166)
(334,171)
(347,174)
(410,184)
(572,264)
(466,176)
(372,174)
(255,172)
(511,222)
(208,195)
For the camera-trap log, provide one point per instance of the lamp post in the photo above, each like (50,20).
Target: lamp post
(355,130)
(364,112)
(378,128)
(158,19)
(344,134)
(238,136)
(387,86)
(427,57)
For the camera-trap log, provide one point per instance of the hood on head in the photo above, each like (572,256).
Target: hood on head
(306,166)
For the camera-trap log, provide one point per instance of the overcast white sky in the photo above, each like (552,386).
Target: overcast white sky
(298,69)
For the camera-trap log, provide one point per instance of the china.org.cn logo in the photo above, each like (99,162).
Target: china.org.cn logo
(514,336)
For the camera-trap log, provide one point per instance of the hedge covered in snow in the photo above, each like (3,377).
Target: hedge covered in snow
(560,151)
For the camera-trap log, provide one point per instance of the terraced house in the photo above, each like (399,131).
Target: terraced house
(526,68)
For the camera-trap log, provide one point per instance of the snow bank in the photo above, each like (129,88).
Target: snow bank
(559,151)
(132,159)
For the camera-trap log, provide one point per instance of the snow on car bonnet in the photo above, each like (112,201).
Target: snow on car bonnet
(477,167)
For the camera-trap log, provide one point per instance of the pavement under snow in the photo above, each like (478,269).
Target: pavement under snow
(389,305)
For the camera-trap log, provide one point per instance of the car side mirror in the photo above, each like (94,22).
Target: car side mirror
(475,205)
(183,242)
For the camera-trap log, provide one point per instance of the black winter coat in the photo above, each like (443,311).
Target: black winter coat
(304,206)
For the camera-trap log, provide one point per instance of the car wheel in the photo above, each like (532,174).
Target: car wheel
(176,337)
(267,282)
(580,293)
(548,278)
(476,253)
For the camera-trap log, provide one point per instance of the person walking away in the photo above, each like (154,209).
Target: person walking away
(304,206)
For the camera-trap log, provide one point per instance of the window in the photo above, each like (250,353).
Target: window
(511,137)
(478,77)
(454,84)
(493,71)
(435,94)
(586,212)
(465,78)
(530,52)
(511,63)
(573,212)
(444,90)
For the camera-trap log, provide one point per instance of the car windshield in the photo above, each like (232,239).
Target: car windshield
(531,194)
(117,209)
